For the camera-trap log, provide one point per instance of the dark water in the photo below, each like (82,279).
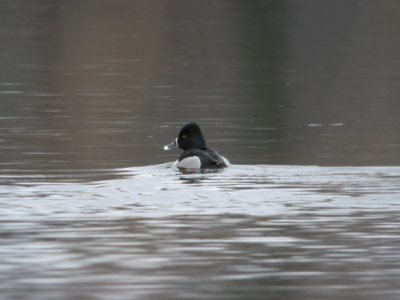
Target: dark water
(91,90)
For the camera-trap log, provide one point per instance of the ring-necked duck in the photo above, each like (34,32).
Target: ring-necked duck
(195,153)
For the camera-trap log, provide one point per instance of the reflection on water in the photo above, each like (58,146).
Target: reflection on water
(89,89)
(249,231)
(102,84)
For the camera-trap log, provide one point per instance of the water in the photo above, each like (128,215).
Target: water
(302,97)
(245,232)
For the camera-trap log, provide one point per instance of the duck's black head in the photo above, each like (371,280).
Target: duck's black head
(190,137)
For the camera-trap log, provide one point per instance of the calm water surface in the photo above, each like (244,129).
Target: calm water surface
(301,96)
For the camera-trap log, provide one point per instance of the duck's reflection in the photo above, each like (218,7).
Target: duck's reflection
(197,176)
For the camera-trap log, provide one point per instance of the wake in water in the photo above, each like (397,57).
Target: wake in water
(255,190)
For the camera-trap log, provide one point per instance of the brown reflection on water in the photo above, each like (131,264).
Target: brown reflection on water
(343,75)
(100,84)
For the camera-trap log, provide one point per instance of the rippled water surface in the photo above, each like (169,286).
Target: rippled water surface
(301,96)
(247,232)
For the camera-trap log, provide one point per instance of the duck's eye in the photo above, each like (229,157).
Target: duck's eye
(183,136)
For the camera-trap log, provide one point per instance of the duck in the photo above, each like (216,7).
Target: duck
(195,155)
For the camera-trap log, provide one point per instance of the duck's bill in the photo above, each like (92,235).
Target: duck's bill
(171,146)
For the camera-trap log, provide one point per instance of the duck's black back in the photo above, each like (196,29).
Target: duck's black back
(209,158)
